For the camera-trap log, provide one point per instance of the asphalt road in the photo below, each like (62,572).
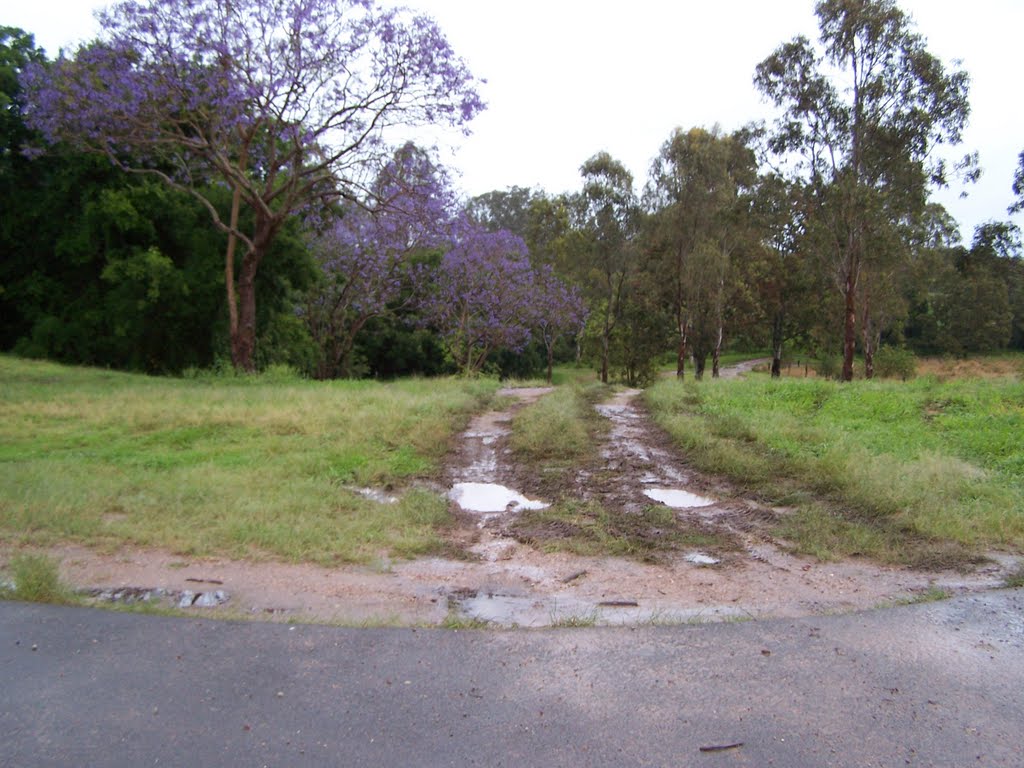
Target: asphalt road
(940,684)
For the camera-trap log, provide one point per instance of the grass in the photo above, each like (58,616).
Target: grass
(36,579)
(575,620)
(588,529)
(455,620)
(924,472)
(561,427)
(234,466)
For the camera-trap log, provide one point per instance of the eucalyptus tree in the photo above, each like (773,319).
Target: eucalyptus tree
(862,118)
(1018,186)
(609,215)
(284,102)
(783,280)
(694,195)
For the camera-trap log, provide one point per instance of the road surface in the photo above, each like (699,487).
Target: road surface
(940,684)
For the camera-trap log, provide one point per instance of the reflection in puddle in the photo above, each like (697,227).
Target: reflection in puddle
(677,499)
(490,497)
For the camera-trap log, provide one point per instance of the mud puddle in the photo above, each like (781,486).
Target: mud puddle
(506,583)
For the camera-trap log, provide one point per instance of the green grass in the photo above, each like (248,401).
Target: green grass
(35,579)
(562,426)
(914,472)
(232,466)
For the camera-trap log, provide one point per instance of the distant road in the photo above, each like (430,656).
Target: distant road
(940,684)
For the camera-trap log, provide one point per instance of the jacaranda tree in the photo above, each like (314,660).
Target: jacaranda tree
(482,295)
(286,102)
(366,254)
(558,309)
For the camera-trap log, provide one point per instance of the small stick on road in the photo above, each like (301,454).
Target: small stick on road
(722,747)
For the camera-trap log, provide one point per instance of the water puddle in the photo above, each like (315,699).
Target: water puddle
(534,610)
(492,498)
(699,558)
(375,494)
(182,598)
(678,499)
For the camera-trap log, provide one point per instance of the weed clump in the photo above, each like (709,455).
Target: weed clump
(36,579)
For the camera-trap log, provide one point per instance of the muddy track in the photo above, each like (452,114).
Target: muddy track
(505,582)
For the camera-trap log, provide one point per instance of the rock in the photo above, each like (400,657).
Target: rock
(210,599)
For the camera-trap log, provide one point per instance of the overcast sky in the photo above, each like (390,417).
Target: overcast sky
(568,78)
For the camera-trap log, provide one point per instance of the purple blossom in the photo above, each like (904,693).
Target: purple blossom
(364,253)
(482,295)
(558,309)
(284,101)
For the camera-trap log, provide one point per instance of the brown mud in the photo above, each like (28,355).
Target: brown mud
(509,581)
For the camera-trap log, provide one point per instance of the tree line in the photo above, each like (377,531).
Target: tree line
(183,191)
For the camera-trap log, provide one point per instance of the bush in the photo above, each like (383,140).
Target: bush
(829,366)
(895,362)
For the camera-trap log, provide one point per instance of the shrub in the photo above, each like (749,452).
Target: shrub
(895,362)
(829,366)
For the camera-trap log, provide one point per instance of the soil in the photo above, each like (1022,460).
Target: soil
(505,582)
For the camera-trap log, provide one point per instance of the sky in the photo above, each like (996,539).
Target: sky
(569,78)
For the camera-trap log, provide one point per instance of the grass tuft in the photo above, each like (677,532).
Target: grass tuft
(36,579)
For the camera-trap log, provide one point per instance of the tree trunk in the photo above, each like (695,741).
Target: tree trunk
(229,280)
(681,353)
(243,339)
(716,354)
(849,325)
(867,335)
(698,366)
(604,358)
(777,345)
(551,361)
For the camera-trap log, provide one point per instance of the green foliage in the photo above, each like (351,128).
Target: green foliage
(36,579)
(895,363)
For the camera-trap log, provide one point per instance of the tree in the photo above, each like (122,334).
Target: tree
(1018,186)
(863,119)
(608,215)
(285,102)
(783,280)
(364,255)
(481,298)
(558,309)
(694,194)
